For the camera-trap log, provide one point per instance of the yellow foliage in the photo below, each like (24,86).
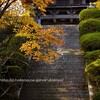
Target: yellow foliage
(97,4)
(40,39)
(41,4)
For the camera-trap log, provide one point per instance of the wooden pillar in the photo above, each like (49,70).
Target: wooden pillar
(39,21)
(54,20)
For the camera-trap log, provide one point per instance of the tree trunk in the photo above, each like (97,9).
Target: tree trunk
(7,5)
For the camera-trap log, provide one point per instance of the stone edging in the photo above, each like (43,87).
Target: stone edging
(90,90)
(19,90)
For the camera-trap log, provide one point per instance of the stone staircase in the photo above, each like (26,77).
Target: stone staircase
(63,79)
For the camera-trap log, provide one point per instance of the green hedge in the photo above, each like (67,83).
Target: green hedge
(90,42)
(96,96)
(93,73)
(92,55)
(93,68)
(89,26)
(89,13)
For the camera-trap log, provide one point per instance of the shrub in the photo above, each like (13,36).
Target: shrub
(6,32)
(16,59)
(16,42)
(2,34)
(96,96)
(92,55)
(93,71)
(97,79)
(89,13)
(93,68)
(90,42)
(89,26)
(14,72)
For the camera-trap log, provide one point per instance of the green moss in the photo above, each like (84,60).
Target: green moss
(89,26)
(89,13)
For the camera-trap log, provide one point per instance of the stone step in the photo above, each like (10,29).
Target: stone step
(79,85)
(38,93)
(49,91)
(63,79)
(54,98)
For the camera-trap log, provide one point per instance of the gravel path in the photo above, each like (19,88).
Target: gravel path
(62,79)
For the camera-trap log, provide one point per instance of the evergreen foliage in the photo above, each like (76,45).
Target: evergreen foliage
(89,13)
(90,42)
(92,55)
(96,96)
(89,26)
(93,73)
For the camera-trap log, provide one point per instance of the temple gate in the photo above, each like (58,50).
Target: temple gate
(63,11)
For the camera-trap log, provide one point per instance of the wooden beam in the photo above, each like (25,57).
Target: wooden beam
(76,16)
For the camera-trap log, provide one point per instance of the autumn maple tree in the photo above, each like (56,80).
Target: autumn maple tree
(21,37)
(20,34)
(40,40)
(41,4)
